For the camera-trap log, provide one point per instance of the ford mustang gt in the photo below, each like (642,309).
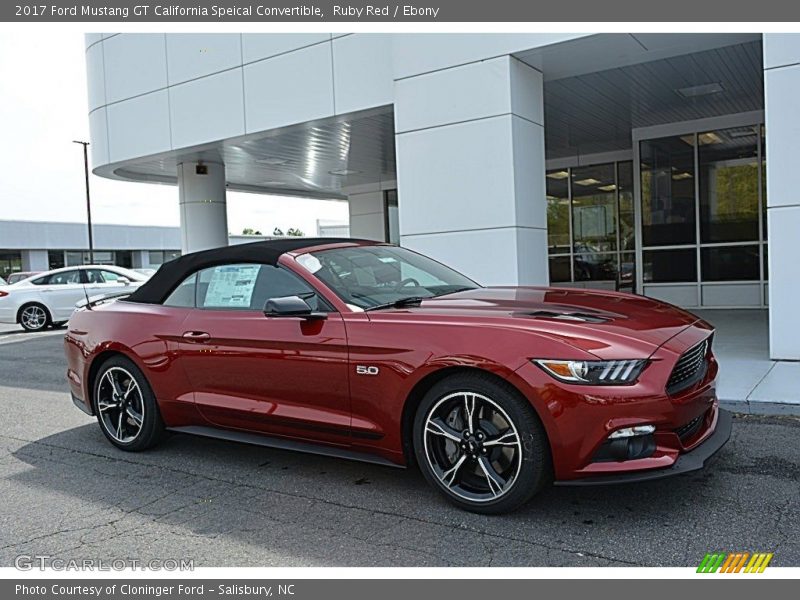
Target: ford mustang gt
(369,351)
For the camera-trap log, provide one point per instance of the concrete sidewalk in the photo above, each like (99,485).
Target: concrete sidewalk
(749,382)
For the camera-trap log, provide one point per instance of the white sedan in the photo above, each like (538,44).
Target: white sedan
(49,298)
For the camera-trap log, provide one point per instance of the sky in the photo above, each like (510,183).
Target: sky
(43,108)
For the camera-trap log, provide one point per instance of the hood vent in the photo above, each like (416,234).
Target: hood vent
(567,316)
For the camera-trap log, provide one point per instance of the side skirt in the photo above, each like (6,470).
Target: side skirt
(283,444)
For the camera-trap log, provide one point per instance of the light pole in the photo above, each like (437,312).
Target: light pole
(88,199)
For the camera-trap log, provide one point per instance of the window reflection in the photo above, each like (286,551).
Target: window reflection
(589,219)
(594,208)
(558,211)
(669,266)
(728,164)
(668,209)
(627,226)
(595,266)
(730,263)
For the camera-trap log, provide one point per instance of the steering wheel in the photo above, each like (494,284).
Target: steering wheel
(405,282)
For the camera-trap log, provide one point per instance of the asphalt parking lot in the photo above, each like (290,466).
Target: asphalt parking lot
(65,492)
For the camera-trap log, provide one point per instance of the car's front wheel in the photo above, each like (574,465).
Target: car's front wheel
(126,407)
(33,317)
(479,442)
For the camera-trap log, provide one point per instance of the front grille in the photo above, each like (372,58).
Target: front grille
(690,368)
(688,430)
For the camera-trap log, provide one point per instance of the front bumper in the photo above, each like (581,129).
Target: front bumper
(693,460)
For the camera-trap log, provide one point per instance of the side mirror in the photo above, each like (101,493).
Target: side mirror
(124,281)
(291,306)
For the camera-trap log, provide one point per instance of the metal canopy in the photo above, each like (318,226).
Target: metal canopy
(318,158)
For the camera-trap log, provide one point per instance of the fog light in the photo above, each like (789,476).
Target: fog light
(627,432)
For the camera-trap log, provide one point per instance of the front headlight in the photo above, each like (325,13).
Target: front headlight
(594,372)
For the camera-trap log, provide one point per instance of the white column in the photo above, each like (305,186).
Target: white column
(367,212)
(470,165)
(35,260)
(781,88)
(204,220)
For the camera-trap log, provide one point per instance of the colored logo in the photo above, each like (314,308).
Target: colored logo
(735,562)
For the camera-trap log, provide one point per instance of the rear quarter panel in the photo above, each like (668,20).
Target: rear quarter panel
(146,334)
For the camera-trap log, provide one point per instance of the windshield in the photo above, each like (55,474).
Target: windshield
(374,276)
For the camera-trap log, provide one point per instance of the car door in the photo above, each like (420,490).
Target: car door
(61,291)
(285,376)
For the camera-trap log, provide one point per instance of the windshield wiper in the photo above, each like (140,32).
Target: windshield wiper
(410,301)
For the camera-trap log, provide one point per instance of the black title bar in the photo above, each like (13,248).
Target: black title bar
(410,11)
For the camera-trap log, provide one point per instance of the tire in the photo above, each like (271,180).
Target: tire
(499,477)
(34,317)
(120,385)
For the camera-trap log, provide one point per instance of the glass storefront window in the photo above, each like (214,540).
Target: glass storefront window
(667,179)
(627,272)
(392,223)
(10,262)
(668,266)
(558,241)
(728,172)
(594,209)
(627,226)
(596,267)
(74,258)
(159,257)
(559,269)
(730,263)
(590,217)
(55,259)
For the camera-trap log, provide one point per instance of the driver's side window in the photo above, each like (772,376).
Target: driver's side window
(242,286)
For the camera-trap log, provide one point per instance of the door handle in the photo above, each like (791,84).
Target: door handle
(196,337)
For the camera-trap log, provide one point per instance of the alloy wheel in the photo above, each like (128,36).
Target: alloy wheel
(472,446)
(120,405)
(33,317)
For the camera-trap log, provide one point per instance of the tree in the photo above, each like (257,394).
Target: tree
(251,231)
(295,232)
(277,231)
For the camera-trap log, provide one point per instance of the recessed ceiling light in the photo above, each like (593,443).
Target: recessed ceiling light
(344,172)
(705,89)
(558,175)
(608,188)
(272,161)
(588,181)
(679,176)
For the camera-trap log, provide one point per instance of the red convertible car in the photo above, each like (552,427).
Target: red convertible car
(370,351)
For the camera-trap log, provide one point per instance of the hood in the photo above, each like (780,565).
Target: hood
(606,324)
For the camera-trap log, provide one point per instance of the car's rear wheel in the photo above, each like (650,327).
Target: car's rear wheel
(481,444)
(126,407)
(33,317)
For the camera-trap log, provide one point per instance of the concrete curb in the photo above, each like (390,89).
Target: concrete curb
(761,408)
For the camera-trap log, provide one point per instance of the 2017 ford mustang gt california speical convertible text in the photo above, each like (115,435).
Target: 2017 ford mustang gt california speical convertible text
(373,352)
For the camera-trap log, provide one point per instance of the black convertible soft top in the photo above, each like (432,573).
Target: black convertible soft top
(156,289)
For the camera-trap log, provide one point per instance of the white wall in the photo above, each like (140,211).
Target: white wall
(781,83)
(153,93)
(45,235)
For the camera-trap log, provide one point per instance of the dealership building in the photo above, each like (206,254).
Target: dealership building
(661,164)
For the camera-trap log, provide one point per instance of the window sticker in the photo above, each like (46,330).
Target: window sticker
(232,287)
